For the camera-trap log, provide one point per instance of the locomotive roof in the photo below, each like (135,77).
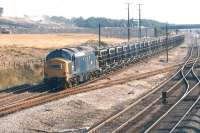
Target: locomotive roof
(79,49)
(67,52)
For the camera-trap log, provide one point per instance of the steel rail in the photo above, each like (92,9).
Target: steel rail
(27,87)
(118,81)
(183,117)
(163,116)
(53,96)
(155,101)
(7,101)
(18,89)
(135,103)
(194,104)
(180,100)
(37,96)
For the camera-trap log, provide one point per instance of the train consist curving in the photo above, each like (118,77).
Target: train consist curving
(71,66)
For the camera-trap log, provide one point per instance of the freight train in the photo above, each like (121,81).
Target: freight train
(67,67)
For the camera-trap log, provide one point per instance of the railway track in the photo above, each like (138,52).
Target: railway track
(23,95)
(136,111)
(169,121)
(187,122)
(23,90)
(17,89)
(32,99)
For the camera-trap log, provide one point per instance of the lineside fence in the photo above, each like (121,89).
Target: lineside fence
(28,64)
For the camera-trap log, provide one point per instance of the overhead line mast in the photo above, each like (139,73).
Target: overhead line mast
(128,21)
(167,34)
(139,23)
(99,35)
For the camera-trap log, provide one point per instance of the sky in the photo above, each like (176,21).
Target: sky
(171,11)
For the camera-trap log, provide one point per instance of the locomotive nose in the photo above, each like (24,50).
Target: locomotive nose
(58,68)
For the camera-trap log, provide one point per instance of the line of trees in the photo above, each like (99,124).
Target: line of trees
(93,22)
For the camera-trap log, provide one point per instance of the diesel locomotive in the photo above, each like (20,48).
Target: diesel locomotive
(66,67)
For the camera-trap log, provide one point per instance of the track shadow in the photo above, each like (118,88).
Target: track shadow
(15,88)
(38,88)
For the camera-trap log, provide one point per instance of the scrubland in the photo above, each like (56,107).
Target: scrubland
(29,48)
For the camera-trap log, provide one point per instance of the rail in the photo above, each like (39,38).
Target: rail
(177,103)
(137,102)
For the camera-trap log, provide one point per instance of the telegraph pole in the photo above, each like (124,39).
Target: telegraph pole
(128,21)
(140,31)
(146,33)
(99,35)
(155,32)
(196,40)
(166,30)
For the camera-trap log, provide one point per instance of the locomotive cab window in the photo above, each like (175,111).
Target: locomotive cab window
(56,66)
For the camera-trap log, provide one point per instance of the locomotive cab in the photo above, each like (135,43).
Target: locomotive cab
(57,70)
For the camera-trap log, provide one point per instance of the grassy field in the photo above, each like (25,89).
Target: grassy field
(12,77)
(50,40)
(23,47)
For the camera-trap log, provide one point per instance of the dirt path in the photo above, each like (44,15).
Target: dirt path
(83,110)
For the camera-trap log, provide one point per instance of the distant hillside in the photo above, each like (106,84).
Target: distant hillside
(28,25)
(93,22)
(17,22)
(59,24)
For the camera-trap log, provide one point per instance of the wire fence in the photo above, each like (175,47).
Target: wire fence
(28,64)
